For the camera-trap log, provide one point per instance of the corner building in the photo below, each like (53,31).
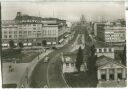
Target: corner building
(32,30)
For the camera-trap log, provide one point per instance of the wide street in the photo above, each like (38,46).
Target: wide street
(49,74)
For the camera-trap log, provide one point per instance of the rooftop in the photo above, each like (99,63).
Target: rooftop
(103,60)
(69,57)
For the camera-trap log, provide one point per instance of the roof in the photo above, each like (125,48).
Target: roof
(27,17)
(69,57)
(103,60)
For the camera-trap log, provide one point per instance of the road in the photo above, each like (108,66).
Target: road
(49,74)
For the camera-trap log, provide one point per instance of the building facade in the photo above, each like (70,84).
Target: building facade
(69,63)
(106,51)
(110,72)
(110,32)
(115,34)
(32,30)
(99,31)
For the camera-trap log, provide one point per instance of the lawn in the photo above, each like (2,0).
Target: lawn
(20,57)
(80,80)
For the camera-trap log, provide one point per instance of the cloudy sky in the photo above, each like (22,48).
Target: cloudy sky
(65,10)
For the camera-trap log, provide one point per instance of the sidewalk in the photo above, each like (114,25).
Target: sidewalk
(24,82)
(14,76)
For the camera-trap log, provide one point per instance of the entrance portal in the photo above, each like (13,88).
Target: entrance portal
(111,76)
(103,77)
(119,75)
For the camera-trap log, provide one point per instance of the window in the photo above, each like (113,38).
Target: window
(20,32)
(10,36)
(25,32)
(5,36)
(20,35)
(105,50)
(15,32)
(5,32)
(110,50)
(34,28)
(34,24)
(29,32)
(10,32)
(67,64)
(103,77)
(15,36)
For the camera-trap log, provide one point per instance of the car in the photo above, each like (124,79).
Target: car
(55,48)
(46,59)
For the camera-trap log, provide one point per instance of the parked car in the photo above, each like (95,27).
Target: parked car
(46,59)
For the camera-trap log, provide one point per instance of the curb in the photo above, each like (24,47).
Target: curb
(28,73)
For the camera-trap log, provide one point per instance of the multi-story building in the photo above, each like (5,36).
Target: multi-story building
(115,34)
(33,30)
(110,32)
(9,32)
(110,72)
(99,30)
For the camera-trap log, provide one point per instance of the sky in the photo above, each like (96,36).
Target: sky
(70,11)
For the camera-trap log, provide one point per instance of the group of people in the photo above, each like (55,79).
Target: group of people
(11,68)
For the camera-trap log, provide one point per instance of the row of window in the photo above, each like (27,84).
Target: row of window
(67,64)
(114,35)
(104,50)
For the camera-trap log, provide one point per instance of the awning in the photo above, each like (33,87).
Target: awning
(48,42)
(25,44)
(54,43)
(61,40)
(29,44)
(4,45)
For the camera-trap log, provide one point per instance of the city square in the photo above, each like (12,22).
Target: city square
(63,45)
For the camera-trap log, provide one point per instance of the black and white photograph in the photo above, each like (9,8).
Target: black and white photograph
(66,44)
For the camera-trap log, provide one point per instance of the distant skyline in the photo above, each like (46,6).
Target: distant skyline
(70,11)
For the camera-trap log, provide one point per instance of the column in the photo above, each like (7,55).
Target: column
(115,74)
(99,74)
(124,73)
(107,74)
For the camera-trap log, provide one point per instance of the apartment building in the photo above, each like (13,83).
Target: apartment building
(32,30)
(115,34)
(110,32)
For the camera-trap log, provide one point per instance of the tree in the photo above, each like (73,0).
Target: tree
(20,44)
(11,44)
(91,60)
(91,65)
(79,59)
